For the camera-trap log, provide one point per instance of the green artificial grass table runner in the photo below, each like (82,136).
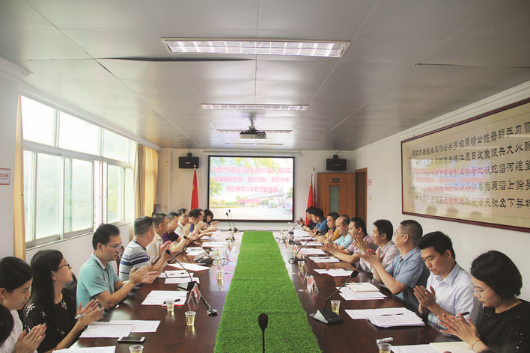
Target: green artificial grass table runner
(261,285)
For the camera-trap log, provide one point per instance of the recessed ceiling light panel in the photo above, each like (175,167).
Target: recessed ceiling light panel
(255,47)
(253,107)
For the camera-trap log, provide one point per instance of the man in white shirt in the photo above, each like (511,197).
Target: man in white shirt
(183,219)
(161,225)
(382,236)
(450,290)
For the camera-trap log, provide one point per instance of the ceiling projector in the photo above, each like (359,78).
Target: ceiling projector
(252,134)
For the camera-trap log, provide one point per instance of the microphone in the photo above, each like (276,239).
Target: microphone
(263,321)
(189,286)
(184,286)
(328,316)
(235,229)
(297,259)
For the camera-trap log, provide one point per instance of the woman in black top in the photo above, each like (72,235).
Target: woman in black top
(505,323)
(52,305)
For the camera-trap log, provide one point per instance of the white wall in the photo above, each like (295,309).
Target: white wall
(383,160)
(174,184)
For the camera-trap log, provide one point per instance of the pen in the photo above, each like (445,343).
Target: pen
(391,314)
(176,301)
(465,313)
(79,316)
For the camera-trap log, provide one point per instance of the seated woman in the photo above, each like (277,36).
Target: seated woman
(15,282)
(52,305)
(505,323)
(208,217)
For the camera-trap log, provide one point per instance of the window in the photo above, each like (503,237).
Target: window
(76,175)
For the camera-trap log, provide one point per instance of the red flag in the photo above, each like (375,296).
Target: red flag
(310,199)
(194,192)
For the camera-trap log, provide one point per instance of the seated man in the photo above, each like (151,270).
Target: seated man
(357,230)
(309,225)
(196,225)
(382,236)
(321,224)
(136,255)
(183,219)
(171,235)
(407,270)
(332,233)
(450,288)
(97,279)
(161,225)
(345,239)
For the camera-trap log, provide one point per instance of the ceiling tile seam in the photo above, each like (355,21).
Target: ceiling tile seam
(350,46)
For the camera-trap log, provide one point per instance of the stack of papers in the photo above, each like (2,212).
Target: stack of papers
(335,272)
(194,251)
(158,297)
(110,349)
(306,251)
(214,244)
(348,294)
(138,325)
(388,317)
(324,259)
(362,287)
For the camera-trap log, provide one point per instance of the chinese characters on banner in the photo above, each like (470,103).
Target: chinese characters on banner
(477,171)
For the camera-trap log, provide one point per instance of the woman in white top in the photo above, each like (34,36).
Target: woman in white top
(15,282)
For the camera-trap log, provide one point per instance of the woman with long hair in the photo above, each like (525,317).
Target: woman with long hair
(50,304)
(15,282)
(505,323)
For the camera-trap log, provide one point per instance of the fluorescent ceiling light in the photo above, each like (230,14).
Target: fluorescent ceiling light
(253,107)
(267,131)
(256,47)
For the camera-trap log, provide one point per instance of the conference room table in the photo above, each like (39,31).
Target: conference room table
(173,335)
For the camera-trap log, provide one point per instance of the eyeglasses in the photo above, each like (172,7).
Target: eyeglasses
(115,246)
(480,291)
(65,265)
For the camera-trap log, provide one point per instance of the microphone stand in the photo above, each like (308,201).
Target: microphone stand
(297,259)
(328,316)
(189,286)
(235,229)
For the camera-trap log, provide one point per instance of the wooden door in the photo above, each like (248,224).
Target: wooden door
(336,193)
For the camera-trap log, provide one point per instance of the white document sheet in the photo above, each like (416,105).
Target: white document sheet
(158,297)
(190,267)
(107,330)
(348,294)
(453,347)
(176,273)
(307,252)
(109,349)
(138,325)
(180,280)
(362,287)
(312,244)
(214,244)
(194,251)
(324,259)
(335,272)
(419,348)
(389,317)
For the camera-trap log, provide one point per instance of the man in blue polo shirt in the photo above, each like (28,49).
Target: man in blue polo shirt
(407,270)
(97,279)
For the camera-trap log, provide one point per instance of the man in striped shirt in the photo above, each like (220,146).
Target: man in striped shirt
(136,254)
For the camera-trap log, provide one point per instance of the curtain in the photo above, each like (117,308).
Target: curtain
(146,171)
(18,183)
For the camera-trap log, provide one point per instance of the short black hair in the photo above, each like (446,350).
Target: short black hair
(142,225)
(182,212)
(208,212)
(6,324)
(333,215)
(195,213)
(499,272)
(413,229)
(103,233)
(359,223)
(438,241)
(384,226)
(317,212)
(309,209)
(158,217)
(172,215)
(14,272)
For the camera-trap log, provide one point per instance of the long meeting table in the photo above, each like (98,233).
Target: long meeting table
(173,335)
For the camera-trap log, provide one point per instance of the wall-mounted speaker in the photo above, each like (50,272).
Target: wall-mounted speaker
(336,164)
(188,162)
